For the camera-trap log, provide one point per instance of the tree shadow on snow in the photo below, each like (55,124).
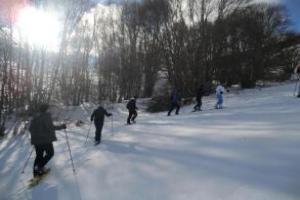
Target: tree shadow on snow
(44,191)
(272,172)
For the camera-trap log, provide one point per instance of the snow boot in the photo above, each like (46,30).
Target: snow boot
(40,172)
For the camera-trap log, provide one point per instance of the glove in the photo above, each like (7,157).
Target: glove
(63,126)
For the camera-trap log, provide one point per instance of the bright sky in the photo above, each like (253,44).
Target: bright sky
(43,28)
(39,28)
(293,7)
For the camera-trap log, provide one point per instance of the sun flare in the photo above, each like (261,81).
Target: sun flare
(39,28)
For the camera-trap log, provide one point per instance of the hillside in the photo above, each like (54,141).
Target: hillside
(249,150)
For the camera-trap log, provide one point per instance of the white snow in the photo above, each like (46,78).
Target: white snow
(249,150)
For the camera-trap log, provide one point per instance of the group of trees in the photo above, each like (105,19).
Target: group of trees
(118,50)
(194,42)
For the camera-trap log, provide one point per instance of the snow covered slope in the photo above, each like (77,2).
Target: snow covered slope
(249,150)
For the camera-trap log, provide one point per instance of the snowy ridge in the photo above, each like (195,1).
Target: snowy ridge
(249,150)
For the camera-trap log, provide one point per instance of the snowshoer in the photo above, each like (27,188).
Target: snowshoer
(132,110)
(297,86)
(42,132)
(219,94)
(199,96)
(175,102)
(98,118)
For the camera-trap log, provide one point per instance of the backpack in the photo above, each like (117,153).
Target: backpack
(36,125)
(130,105)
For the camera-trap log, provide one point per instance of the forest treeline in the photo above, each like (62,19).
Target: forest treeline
(119,50)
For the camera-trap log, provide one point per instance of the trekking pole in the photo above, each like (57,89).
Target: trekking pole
(73,166)
(112,120)
(88,134)
(27,160)
(70,153)
(112,125)
(297,86)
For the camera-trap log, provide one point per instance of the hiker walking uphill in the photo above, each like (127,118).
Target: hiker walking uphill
(219,94)
(297,86)
(175,102)
(132,110)
(42,133)
(98,118)
(199,96)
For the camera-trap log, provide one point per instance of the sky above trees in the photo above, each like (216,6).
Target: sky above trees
(293,7)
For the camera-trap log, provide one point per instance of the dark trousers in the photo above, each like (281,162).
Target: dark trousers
(98,133)
(131,116)
(44,152)
(198,105)
(173,106)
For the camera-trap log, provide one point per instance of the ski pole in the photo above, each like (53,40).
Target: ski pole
(27,160)
(88,134)
(70,153)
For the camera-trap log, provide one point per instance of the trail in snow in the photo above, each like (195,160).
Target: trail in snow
(249,150)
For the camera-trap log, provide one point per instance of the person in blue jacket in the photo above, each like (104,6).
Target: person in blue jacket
(175,102)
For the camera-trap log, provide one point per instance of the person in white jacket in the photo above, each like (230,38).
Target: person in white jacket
(297,86)
(219,94)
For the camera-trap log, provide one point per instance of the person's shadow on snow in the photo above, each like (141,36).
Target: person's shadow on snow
(121,147)
(44,191)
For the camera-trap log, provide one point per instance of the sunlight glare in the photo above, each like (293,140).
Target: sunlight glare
(39,28)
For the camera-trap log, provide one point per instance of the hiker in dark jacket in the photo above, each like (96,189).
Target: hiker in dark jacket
(199,96)
(132,113)
(42,132)
(175,102)
(98,118)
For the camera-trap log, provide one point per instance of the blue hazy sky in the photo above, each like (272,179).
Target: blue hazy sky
(293,7)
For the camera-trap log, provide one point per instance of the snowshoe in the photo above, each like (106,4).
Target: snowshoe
(38,177)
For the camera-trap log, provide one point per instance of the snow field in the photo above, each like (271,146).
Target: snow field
(249,150)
